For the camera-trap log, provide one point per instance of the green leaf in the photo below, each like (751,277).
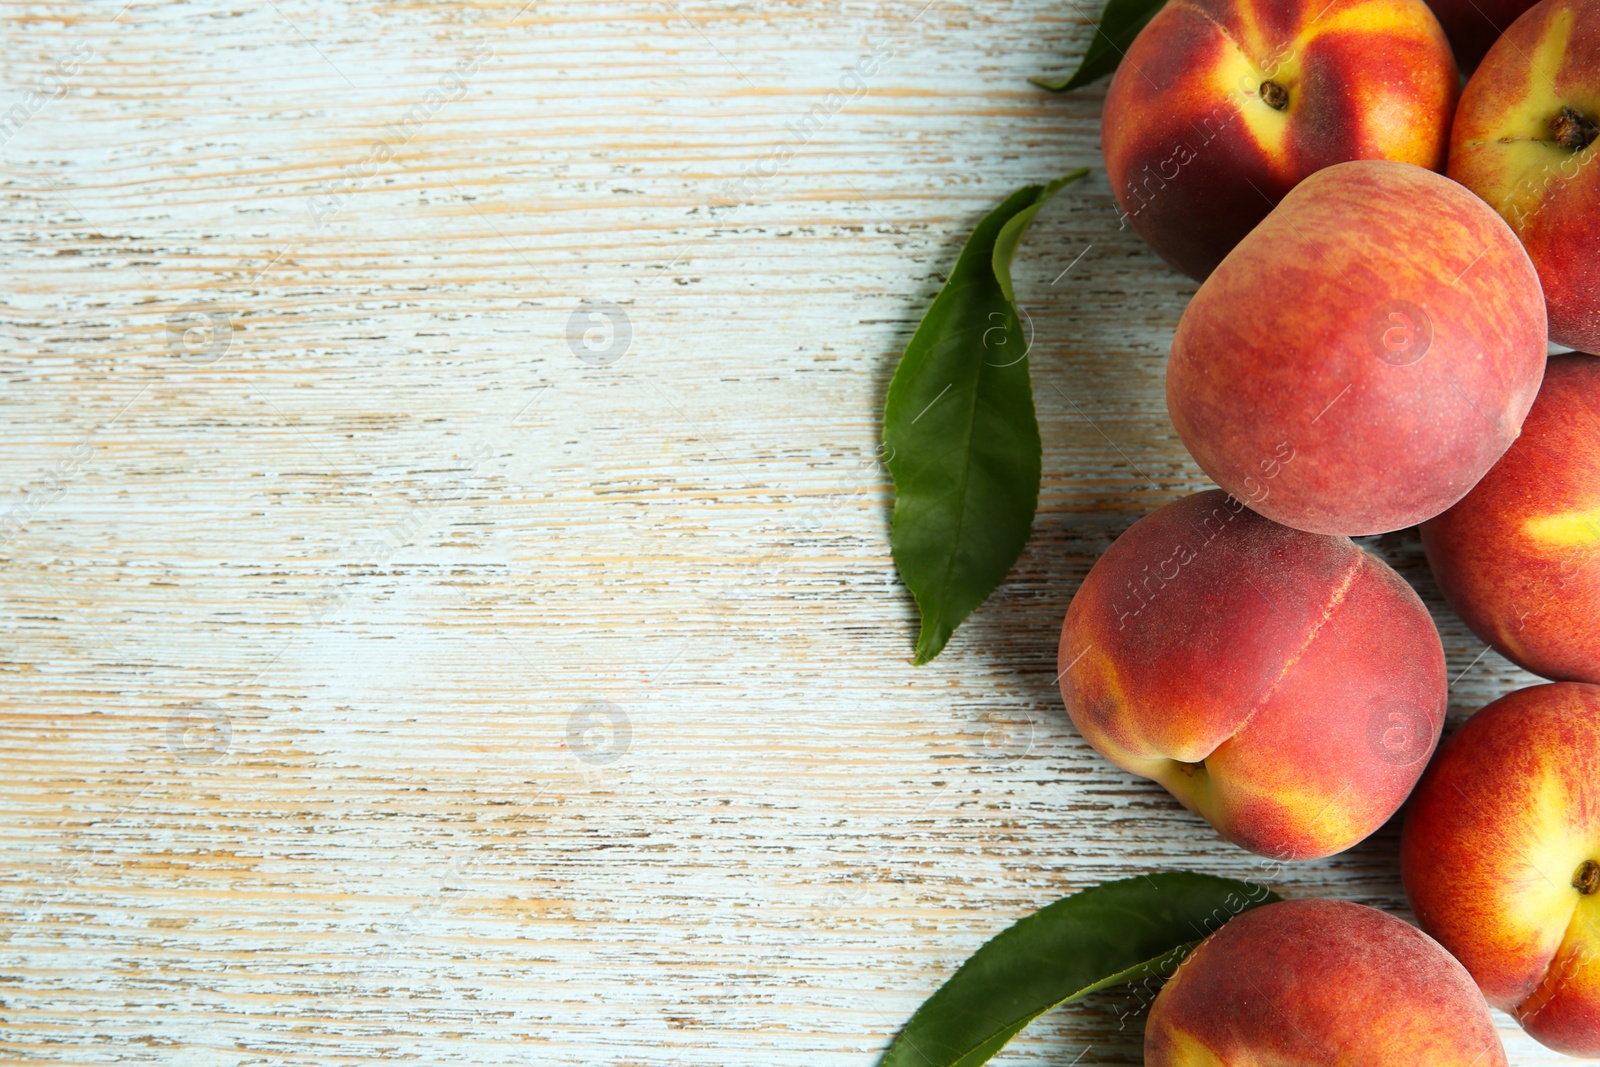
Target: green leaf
(1120,23)
(959,428)
(1107,936)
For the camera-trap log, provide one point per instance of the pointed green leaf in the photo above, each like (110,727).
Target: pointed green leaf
(1103,937)
(1120,23)
(960,433)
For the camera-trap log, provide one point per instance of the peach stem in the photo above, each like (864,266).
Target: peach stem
(1587,880)
(1574,130)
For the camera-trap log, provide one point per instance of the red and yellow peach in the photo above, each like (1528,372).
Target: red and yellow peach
(1383,329)
(1519,556)
(1320,981)
(1220,107)
(1500,855)
(1288,687)
(1527,140)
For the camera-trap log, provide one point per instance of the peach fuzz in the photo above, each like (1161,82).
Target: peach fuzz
(1500,855)
(1320,981)
(1288,687)
(1222,106)
(1519,556)
(1527,140)
(1380,338)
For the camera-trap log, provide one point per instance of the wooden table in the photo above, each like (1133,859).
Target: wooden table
(448,614)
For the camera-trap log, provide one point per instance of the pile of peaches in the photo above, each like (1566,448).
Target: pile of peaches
(1387,259)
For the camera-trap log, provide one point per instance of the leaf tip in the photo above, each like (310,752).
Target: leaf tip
(930,642)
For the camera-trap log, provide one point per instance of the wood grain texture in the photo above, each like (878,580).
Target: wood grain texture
(383,681)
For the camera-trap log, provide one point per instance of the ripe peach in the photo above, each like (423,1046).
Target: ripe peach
(1500,855)
(1383,329)
(1320,981)
(1474,25)
(1288,687)
(1525,140)
(1519,556)
(1221,106)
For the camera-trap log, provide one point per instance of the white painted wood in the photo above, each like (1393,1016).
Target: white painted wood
(316,625)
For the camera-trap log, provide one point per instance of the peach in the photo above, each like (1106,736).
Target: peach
(1383,329)
(1524,140)
(1519,556)
(1500,854)
(1220,107)
(1320,981)
(1287,687)
(1474,25)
